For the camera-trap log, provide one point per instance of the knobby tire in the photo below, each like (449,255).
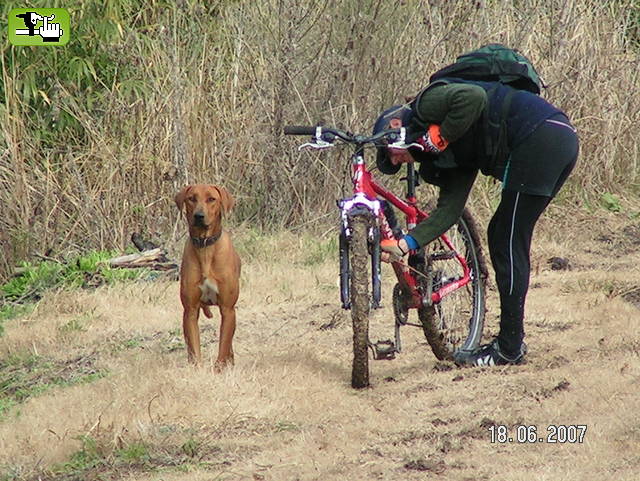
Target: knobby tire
(457,323)
(360,299)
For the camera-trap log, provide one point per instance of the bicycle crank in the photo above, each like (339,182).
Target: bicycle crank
(400,305)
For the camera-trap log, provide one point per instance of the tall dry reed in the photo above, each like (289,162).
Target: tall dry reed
(208,87)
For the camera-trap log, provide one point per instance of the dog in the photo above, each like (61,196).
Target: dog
(210,270)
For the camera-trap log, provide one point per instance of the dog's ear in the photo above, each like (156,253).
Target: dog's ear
(226,198)
(181,196)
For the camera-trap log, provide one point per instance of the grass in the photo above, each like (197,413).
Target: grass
(611,203)
(20,293)
(33,278)
(97,459)
(89,456)
(10,311)
(286,410)
(26,375)
(306,248)
(74,325)
(317,251)
(191,447)
(136,452)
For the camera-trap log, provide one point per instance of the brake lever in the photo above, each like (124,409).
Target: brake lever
(400,144)
(318,143)
(403,146)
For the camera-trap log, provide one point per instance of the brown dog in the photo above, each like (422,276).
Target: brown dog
(210,271)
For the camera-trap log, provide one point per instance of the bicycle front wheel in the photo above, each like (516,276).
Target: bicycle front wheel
(456,322)
(360,299)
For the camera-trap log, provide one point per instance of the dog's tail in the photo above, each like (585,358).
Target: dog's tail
(206,310)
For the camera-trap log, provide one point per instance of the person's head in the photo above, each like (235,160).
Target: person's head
(390,160)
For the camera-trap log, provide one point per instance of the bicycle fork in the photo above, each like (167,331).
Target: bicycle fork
(359,205)
(365,204)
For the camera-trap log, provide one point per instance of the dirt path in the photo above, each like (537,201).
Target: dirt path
(107,394)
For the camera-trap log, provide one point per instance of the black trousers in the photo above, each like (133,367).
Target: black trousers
(509,234)
(511,227)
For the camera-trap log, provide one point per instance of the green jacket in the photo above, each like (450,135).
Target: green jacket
(457,108)
(483,122)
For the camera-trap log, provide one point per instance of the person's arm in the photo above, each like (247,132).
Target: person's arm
(454,192)
(455,107)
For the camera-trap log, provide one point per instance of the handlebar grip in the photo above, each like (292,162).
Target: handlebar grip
(299,130)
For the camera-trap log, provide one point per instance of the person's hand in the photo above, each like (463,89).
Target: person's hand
(432,141)
(50,32)
(393,250)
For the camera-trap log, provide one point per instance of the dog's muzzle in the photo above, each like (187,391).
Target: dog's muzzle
(198,219)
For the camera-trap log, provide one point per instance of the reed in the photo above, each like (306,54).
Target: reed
(97,136)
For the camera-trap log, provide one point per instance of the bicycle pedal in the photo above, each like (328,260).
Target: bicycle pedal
(384,350)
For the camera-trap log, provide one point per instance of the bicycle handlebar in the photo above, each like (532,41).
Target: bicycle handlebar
(325,136)
(329,134)
(299,130)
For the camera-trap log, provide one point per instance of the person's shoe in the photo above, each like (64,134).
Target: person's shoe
(392,247)
(490,355)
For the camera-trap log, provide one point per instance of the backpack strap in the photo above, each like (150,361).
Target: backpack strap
(495,133)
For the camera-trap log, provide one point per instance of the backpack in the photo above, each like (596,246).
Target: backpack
(490,63)
(494,62)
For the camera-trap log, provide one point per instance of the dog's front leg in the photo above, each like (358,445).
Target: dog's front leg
(191,333)
(227,329)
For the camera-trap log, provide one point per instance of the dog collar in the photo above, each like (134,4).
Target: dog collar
(201,242)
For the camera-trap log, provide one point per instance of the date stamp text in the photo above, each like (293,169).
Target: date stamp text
(530,434)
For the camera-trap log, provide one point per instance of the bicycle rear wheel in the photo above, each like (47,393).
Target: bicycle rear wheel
(360,299)
(456,322)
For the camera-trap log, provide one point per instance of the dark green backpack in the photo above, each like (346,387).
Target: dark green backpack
(494,62)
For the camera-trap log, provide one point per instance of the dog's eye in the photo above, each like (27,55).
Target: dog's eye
(192,198)
(211,199)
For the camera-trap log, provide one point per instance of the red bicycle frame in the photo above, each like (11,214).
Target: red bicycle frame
(365,184)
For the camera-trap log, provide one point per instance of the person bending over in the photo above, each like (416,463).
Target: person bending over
(513,135)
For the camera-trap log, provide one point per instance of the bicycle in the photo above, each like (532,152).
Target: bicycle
(444,281)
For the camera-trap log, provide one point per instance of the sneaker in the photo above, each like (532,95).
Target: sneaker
(490,355)
(392,247)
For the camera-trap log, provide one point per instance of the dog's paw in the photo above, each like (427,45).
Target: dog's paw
(222,364)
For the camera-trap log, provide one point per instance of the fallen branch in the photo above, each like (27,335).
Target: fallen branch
(153,259)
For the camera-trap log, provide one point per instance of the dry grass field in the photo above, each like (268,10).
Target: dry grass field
(111,395)
(96,138)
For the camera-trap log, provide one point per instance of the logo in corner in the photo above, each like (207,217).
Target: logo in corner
(39,26)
